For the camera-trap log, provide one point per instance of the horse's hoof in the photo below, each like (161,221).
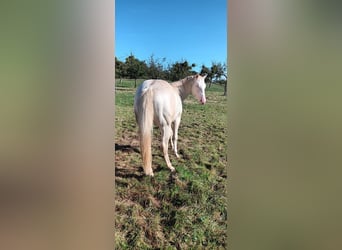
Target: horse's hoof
(177,155)
(149,174)
(172,169)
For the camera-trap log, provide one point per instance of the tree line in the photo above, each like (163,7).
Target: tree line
(156,68)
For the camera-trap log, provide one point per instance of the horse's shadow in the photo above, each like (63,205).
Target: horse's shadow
(129,172)
(124,172)
(126,148)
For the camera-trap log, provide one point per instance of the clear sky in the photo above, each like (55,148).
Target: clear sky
(195,30)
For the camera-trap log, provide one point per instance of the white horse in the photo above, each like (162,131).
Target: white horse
(159,102)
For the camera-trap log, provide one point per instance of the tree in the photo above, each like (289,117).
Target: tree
(180,70)
(135,68)
(155,67)
(219,70)
(120,69)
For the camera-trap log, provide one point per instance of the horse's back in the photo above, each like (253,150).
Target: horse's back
(166,100)
(156,85)
(159,88)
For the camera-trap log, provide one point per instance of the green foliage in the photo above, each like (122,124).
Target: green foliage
(185,210)
(218,70)
(120,69)
(155,68)
(133,68)
(179,70)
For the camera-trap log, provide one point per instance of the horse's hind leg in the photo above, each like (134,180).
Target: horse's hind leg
(167,134)
(175,134)
(171,141)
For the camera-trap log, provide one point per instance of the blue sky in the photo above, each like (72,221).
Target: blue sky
(195,30)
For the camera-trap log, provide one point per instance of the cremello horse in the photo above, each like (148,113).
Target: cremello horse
(159,102)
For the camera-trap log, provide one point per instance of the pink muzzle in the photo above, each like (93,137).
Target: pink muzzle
(203,100)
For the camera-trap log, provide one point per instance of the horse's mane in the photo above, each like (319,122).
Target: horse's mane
(182,81)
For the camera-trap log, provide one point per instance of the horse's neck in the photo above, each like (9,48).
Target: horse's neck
(184,88)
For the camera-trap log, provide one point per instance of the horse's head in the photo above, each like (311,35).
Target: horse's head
(198,88)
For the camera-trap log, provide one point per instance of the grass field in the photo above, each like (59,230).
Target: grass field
(185,210)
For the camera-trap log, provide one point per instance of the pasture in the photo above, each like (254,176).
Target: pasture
(182,210)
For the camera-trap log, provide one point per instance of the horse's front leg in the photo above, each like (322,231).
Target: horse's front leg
(167,133)
(175,134)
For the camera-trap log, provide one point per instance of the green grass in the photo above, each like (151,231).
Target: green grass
(185,210)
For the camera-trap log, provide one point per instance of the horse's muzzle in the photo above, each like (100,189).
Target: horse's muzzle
(203,100)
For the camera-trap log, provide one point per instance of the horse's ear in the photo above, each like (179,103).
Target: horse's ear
(196,76)
(205,76)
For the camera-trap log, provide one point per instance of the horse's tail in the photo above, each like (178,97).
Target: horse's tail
(145,115)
